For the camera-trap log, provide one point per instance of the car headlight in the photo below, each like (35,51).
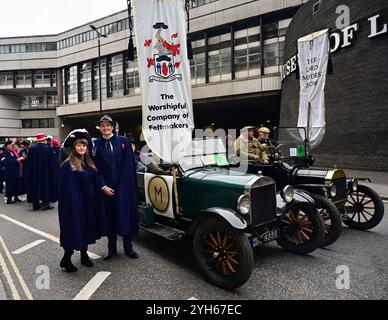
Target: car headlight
(288,194)
(244,204)
(333,190)
(354,185)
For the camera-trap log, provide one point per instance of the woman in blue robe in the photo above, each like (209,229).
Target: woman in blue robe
(79,205)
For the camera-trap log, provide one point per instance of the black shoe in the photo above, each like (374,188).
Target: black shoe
(17,200)
(85,261)
(10,201)
(68,266)
(47,207)
(110,255)
(132,254)
(36,208)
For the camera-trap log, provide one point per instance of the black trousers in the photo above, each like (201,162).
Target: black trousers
(111,206)
(112,243)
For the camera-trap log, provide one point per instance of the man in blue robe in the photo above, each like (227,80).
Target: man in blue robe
(42,175)
(115,162)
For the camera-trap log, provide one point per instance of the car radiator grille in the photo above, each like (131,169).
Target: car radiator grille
(263,204)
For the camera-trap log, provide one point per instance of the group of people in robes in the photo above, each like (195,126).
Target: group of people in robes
(29,169)
(95,185)
(98,194)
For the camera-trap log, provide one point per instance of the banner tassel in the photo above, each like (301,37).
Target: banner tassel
(131,49)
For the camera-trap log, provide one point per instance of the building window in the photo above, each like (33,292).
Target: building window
(72,85)
(6,80)
(196,3)
(220,58)
(38,123)
(86,82)
(247,53)
(38,102)
(23,79)
(132,76)
(103,79)
(197,64)
(116,81)
(28,47)
(42,78)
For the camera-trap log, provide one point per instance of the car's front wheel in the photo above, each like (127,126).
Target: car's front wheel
(302,229)
(224,254)
(364,209)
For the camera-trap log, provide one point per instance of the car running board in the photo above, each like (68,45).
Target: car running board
(164,231)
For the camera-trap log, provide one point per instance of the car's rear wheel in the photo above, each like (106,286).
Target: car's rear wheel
(302,229)
(224,254)
(331,218)
(364,209)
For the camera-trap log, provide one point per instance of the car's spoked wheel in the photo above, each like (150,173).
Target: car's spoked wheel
(331,218)
(297,227)
(364,209)
(326,220)
(224,254)
(221,254)
(302,229)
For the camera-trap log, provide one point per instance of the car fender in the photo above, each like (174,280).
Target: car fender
(299,196)
(233,218)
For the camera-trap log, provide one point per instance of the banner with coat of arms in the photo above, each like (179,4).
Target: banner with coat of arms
(165,77)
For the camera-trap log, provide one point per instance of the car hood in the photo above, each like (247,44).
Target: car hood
(219,176)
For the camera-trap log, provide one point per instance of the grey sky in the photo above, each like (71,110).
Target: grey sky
(40,17)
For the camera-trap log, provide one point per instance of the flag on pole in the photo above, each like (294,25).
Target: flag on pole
(313,61)
(161,38)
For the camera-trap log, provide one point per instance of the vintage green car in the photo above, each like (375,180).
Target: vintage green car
(227,212)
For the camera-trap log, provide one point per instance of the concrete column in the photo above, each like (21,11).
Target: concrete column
(60,86)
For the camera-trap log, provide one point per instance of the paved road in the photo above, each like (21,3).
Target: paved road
(168,271)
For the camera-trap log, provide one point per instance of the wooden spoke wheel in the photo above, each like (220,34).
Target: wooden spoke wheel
(298,227)
(364,209)
(223,253)
(302,229)
(331,218)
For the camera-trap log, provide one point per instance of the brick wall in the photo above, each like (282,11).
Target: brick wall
(357,92)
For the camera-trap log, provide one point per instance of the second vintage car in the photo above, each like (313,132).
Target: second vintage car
(341,198)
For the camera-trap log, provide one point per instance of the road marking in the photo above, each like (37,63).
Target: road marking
(92,286)
(28,247)
(14,291)
(3,297)
(41,233)
(16,270)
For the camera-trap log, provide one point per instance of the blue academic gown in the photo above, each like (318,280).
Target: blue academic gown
(12,175)
(42,176)
(79,207)
(117,171)
(2,172)
(23,186)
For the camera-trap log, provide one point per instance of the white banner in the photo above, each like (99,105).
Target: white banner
(313,60)
(164,68)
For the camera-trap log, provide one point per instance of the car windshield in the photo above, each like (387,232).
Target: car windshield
(205,153)
(290,142)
